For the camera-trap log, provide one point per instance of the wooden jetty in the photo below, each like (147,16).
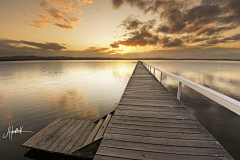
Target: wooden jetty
(149,123)
(79,138)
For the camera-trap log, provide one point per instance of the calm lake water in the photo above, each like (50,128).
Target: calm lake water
(34,93)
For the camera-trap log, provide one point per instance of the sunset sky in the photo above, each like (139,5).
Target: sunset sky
(121,28)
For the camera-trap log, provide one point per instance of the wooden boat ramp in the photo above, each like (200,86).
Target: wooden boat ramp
(149,123)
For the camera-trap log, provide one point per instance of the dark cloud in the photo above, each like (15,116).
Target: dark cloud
(141,36)
(140,4)
(117,3)
(174,28)
(130,23)
(63,26)
(197,39)
(167,42)
(183,23)
(216,40)
(96,49)
(212,30)
(44,46)
(114,45)
(32,45)
(233,38)
(146,6)
(158,4)
(43,4)
(200,12)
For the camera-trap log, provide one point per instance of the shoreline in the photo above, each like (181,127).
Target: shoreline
(35,58)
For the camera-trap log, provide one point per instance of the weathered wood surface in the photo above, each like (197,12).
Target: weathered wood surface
(103,127)
(62,136)
(94,132)
(150,123)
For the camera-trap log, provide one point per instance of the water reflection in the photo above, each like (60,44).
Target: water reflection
(34,93)
(223,77)
(71,100)
(3,98)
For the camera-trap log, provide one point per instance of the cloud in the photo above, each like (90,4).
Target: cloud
(146,6)
(170,43)
(174,28)
(214,41)
(103,50)
(13,48)
(114,45)
(45,46)
(141,34)
(43,4)
(130,23)
(64,26)
(117,3)
(140,38)
(96,49)
(182,23)
(56,18)
(32,45)
(1,24)
(58,13)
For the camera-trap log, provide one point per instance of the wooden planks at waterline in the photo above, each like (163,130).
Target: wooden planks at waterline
(61,136)
(150,123)
(71,137)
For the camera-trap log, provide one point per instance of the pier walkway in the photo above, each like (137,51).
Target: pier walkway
(150,123)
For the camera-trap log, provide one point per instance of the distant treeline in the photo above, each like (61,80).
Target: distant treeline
(27,58)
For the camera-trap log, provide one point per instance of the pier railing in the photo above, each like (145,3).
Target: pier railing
(222,99)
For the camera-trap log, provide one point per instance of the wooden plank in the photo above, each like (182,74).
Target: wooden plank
(157,120)
(156,124)
(97,157)
(103,127)
(162,134)
(148,97)
(44,132)
(82,139)
(156,129)
(58,145)
(79,136)
(213,152)
(94,132)
(143,155)
(163,141)
(48,140)
(145,102)
(188,117)
(155,109)
(151,113)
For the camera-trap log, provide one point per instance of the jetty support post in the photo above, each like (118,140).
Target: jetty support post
(161,78)
(179,90)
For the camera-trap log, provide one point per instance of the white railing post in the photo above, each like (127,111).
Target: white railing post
(154,72)
(179,90)
(161,78)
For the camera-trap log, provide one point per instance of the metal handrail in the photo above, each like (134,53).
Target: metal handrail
(222,99)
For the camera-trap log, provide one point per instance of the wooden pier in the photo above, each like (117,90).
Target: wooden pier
(150,123)
(71,137)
